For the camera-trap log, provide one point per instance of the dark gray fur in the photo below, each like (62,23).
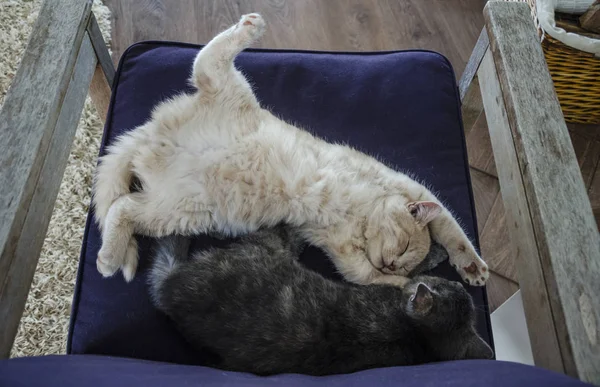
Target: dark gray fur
(259,310)
(437,254)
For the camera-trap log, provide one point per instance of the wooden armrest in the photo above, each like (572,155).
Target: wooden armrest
(550,219)
(37,127)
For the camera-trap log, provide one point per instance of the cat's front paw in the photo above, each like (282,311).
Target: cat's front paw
(252,26)
(471,268)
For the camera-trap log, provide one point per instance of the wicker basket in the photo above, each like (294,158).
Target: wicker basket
(576,77)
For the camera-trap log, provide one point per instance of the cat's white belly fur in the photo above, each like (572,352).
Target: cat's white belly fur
(262,177)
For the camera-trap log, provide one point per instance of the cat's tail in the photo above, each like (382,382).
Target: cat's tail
(113,176)
(171,251)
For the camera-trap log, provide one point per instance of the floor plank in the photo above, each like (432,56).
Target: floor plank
(499,289)
(594,193)
(479,147)
(588,155)
(485,191)
(589,131)
(496,248)
(586,143)
(450,28)
(148,17)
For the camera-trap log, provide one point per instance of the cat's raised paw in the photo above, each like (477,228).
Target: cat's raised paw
(473,270)
(252,24)
(475,274)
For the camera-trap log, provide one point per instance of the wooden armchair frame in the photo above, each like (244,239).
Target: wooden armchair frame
(66,56)
(550,218)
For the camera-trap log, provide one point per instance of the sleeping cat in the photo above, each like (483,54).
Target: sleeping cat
(254,308)
(215,161)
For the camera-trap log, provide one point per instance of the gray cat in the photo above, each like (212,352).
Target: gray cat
(258,310)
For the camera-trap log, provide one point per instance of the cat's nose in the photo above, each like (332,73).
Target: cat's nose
(392,266)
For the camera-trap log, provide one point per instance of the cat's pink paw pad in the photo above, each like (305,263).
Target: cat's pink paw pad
(252,24)
(476,273)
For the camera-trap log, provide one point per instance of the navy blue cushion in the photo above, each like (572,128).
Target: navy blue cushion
(402,107)
(96,371)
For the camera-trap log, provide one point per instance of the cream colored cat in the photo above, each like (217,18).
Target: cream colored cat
(215,161)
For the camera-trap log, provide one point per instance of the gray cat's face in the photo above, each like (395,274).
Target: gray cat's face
(446,308)
(437,301)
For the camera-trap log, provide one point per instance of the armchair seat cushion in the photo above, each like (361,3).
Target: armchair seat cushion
(96,371)
(401,107)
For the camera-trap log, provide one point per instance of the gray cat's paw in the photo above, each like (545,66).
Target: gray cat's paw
(437,254)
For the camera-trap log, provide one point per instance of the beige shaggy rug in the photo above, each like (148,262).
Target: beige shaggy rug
(45,322)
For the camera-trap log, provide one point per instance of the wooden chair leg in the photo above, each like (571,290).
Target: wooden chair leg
(37,126)
(104,76)
(100,92)
(468,86)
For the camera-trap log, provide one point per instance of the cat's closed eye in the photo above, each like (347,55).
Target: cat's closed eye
(404,250)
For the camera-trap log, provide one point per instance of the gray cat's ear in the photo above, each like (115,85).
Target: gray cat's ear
(477,348)
(422,300)
(424,212)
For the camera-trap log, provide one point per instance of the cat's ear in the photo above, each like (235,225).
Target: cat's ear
(422,300)
(424,212)
(477,348)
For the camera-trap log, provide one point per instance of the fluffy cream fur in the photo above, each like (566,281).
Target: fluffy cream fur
(215,161)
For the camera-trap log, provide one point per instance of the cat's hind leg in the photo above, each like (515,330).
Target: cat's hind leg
(119,247)
(136,212)
(214,71)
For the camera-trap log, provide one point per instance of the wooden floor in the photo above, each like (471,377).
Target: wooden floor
(450,27)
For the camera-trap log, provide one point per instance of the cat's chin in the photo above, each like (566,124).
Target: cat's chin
(399,271)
